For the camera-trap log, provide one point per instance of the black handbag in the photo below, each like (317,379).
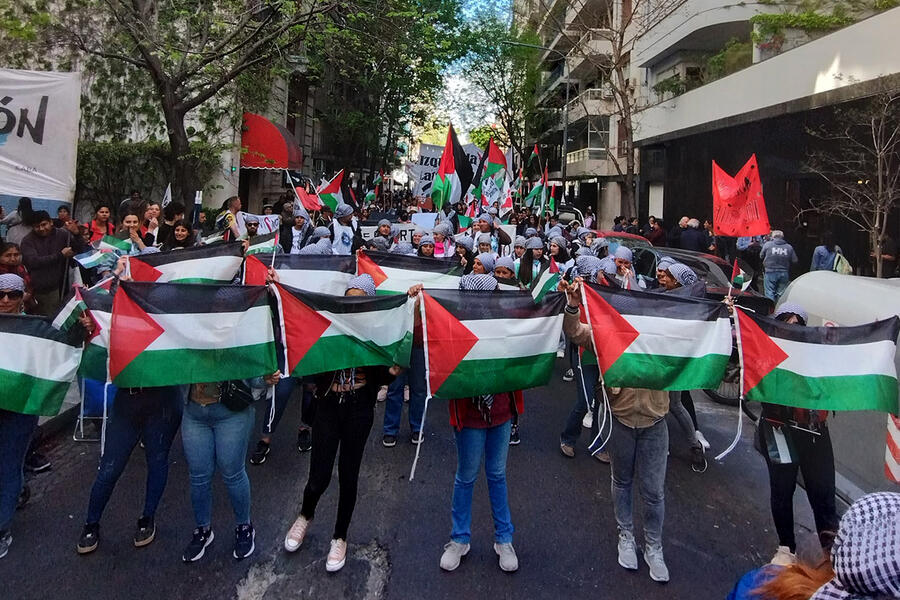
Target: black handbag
(236,395)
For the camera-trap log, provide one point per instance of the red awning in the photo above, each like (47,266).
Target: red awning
(265,145)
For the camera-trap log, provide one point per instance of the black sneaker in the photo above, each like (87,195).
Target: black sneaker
(259,455)
(203,537)
(24,497)
(36,462)
(389,441)
(514,436)
(698,460)
(145,532)
(416,437)
(304,440)
(90,538)
(5,542)
(244,541)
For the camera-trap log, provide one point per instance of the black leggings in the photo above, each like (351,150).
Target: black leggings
(688,404)
(345,425)
(815,459)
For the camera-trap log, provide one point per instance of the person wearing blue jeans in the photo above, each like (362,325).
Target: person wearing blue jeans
(283,390)
(151,415)
(482,428)
(216,435)
(586,377)
(777,258)
(15,435)
(393,405)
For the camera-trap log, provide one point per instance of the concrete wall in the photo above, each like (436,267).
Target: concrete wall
(853,55)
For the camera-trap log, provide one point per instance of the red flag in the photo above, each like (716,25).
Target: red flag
(255,271)
(738,206)
(309,201)
(365,265)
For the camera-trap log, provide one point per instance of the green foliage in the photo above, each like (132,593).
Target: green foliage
(769,26)
(670,85)
(107,170)
(735,56)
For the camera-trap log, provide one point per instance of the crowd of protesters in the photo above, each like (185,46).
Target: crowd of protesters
(337,408)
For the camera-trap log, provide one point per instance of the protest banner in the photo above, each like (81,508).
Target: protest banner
(39,133)
(425,170)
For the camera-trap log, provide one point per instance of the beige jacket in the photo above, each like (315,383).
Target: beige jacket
(633,407)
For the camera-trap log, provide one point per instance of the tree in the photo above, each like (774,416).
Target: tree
(190,53)
(620,24)
(480,136)
(505,75)
(860,160)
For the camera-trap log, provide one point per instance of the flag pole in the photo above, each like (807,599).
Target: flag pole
(421,301)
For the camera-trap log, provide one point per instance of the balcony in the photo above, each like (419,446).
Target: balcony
(589,162)
(592,102)
(553,84)
(586,56)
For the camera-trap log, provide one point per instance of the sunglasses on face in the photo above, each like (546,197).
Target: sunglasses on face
(11,294)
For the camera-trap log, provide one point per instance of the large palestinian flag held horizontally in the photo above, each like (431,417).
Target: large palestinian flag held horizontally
(327,333)
(173,334)
(216,263)
(489,342)
(323,274)
(822,368)
(658,342)
(396,273)
(37,364)
(94,359)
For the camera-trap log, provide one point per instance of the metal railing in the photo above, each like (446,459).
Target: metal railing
(586,154)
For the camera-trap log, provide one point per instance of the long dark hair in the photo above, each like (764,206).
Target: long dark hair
(526,266)
(563,255)
(26,213)
(171,242)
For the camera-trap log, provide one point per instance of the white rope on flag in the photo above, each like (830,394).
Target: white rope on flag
(271,396)
(103,426)
(81,410)
(737,437)
(421,301)
(607,411)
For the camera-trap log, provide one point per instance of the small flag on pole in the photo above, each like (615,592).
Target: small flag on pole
(167,197)
(739,278)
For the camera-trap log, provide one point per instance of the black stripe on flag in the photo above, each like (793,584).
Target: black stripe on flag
(194,253)
(40,327)
(877,331)
(447,266)
(97,301)
(192,298)
(474,306)
(658,304)
(347,304)
(462,167)
(303,262)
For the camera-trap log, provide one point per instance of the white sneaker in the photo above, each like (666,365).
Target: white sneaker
(406,393)
(453,553)
(653,556)
(627,552)
(588,421)
(783,557)
(337,556)
(569,375)
(509,562)
(295,536)
(560,353)
(382,393)
(702,439)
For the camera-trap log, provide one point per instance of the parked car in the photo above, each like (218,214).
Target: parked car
(568,213)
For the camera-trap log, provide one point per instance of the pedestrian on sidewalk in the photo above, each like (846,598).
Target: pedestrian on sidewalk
(638,448)
(45,253)
(345,411)
(777,257)
(218,419)
(482,427)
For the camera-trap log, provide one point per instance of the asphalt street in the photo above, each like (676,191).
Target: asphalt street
(717,524)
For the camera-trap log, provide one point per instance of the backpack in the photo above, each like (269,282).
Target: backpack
(841,264)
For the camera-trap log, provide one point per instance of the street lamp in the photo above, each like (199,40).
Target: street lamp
(565,141)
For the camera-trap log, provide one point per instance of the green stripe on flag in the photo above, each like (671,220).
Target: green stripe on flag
(660,372)
(335,352)
(93,362)
(495,375)
(842,392)
(44,397)
(154,368)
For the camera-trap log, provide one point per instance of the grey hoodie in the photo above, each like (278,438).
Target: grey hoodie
(778,256)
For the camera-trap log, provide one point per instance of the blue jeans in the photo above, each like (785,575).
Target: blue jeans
(640,451)
(585,380)
(491,444)
(15,435)
(214,435)
(414,376)
(151,415)
(775,283)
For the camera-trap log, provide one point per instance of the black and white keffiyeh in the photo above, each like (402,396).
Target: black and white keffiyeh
(866,551)
(481,282)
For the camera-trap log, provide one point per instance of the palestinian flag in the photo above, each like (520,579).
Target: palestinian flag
(506,206)
(96,258)
(551,207)
(820,368)
(538,192)
(95,358)
(454,174)
(484,343)
(534,154)
(370,197)
(37,364)
(493,175)
(202,264)
(109,243)
(547,281)
(68,314)
(309,201)
(658,342)
(544,183)
(395,273)
(378,179)
(263,243)
(327,333)
(175,334)
(739,278)
(310,273)
(465,221)
(330,193)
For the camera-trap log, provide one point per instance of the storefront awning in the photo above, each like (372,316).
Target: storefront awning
(265,145)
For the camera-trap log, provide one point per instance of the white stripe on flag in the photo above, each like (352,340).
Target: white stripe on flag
(678,337)
(40,357)
(211,331)
(533,336)
(213,267)
(827,360)
(383,327)
(321,282)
